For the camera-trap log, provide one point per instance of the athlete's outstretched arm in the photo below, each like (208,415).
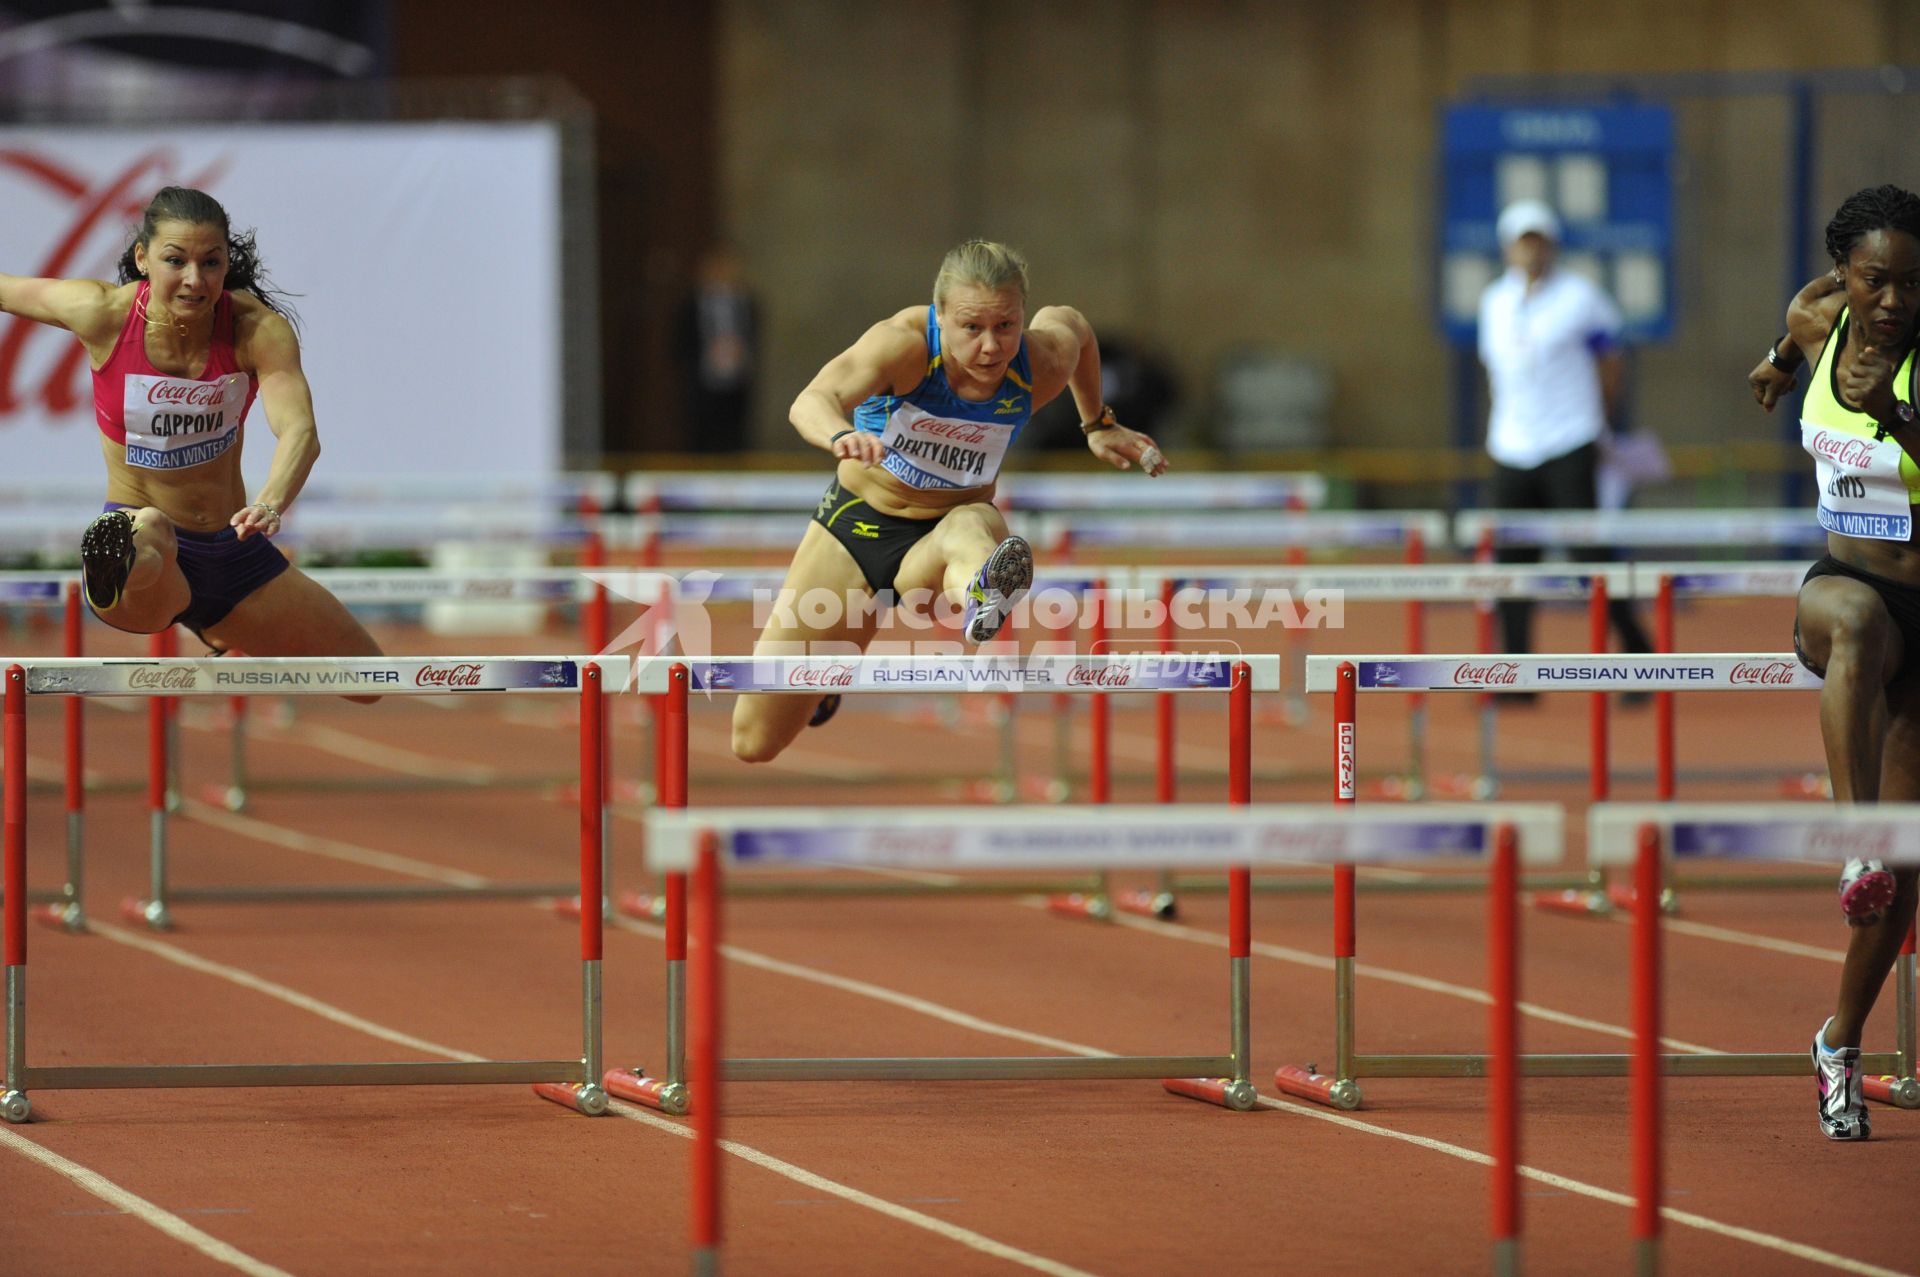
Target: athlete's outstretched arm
(74,304)
(288,401)
(888,355)
(1064,350)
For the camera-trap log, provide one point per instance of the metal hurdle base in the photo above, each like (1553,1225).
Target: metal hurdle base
(634,1086)
(1600,901)
(1345,1093)
(1310,1084)
(1233,1093)
(549,1076)
(584,1097)
(1901,1092)
(1213,1083)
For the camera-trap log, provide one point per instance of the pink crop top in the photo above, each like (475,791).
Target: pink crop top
(166,422)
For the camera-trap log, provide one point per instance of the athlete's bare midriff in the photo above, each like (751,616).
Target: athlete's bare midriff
(200,498)
(888,495)
(1894,560)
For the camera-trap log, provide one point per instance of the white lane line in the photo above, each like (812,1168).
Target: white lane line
(861,988)
(1426,984)
(1727,935)
(140,1208)
(247,980)
(365,749)
(766,1161)
(952,1232)
(331,848)
(1753,1237)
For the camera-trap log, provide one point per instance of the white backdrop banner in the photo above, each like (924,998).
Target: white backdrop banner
(424,259)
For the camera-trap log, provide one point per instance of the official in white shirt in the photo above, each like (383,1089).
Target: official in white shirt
(1550,341)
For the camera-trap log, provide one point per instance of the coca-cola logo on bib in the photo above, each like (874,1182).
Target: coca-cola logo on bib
(187,394)
(98,209)
(1486,674)
(1843,450)
(956,431)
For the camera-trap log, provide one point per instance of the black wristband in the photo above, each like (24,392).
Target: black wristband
(1103,420)
(1784,365)
(838,435)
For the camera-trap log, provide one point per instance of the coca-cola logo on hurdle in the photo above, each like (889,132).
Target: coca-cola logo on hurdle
(1849,844)
(958,431)
(172,679)
(821,676)
(1850,451)
(187,394)
(1488,674)
(466,674)
(1761,674)
(99,209)
(1099,676)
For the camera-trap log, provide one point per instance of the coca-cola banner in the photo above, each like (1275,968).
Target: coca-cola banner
(1705,672)
(1817,832)
(310,676)
(423,261)
(1139,835)
(1150,672)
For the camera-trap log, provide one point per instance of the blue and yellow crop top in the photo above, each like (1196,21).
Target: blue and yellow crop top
(934,438)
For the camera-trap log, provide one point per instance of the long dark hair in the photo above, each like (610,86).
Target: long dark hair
(1876,208)
(197,208)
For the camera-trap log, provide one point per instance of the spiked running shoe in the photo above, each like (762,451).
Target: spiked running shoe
(1866,889)
(1843,1109)
(106,557)
(827,708)
(997,588)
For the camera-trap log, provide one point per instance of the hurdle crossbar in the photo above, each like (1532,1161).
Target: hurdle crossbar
(160,679)
(701,840)
(574,1082)
(1630,528)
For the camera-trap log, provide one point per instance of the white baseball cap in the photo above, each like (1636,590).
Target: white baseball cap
(1527,217)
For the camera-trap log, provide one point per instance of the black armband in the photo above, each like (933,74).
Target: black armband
(1784,363)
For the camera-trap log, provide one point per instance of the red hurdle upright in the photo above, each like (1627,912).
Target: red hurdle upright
(667,1093)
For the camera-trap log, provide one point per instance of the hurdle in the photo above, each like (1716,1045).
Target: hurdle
(1642,835)
(66,907)
(584,587)
(676,678)
(700,842)
(573,1082)
(1346,677)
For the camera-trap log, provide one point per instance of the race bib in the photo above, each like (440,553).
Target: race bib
(925,451)
(173,423)
(1861,492)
